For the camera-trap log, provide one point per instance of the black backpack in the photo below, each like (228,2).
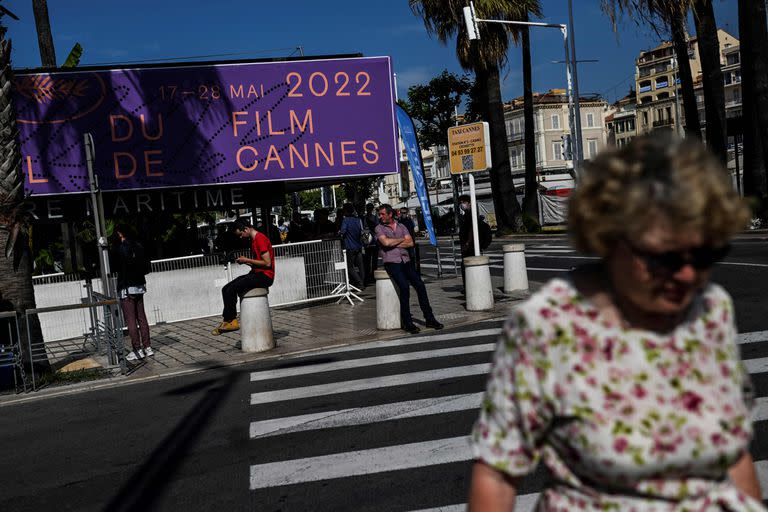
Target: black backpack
(137,259)
(485,234)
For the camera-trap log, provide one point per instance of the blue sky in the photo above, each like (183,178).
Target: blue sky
(112,32)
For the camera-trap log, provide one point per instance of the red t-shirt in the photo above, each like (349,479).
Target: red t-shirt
(259,245)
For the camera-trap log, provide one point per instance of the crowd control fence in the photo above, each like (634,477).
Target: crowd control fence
(190,287)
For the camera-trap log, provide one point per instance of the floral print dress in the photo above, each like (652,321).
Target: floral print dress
(623,419)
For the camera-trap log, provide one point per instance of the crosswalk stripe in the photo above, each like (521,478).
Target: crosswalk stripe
(752,337)
(757,365)
(371,361)
(523,503)
(361,462)
(366,415)
(398,410)
(416,340)
(760,409)
(369,383)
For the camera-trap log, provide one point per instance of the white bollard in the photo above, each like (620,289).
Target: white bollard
(478,285)
(387,302)
(515,272)
(256,322)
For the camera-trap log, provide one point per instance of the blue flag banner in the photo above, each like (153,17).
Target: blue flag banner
(408,134)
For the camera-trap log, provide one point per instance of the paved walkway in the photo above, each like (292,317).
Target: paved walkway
(302,328)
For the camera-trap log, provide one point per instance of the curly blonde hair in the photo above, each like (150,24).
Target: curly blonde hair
(623,191)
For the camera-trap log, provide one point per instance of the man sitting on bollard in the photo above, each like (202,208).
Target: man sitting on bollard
(262,273)
(394,241)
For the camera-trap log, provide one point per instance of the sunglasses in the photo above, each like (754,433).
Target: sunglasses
(700,258)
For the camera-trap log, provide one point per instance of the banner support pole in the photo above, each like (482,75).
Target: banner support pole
(98,216)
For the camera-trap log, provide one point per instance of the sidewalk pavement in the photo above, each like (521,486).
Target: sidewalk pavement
(188,346)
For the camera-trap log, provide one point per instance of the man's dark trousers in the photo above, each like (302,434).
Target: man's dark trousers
(239,287)
(404,275)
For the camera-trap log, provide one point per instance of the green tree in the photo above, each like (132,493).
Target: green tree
(359,191)
(444,19)
(432,106)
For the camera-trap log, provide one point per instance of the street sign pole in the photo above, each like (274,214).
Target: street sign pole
(98,216)
(473,204)
(469,151)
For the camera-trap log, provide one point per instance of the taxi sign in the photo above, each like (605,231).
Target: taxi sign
(469,148)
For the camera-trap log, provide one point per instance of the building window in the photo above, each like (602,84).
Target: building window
(662,82)
(591,148)
(732,59)
(555,122)
(590,120)
(644,86)
(630,125)
(557,151)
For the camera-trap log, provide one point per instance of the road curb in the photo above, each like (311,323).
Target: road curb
(123,380)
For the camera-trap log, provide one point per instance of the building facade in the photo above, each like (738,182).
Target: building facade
(551,122)
(659,103)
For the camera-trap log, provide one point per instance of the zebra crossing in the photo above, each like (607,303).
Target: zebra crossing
(384,426)
(533,252)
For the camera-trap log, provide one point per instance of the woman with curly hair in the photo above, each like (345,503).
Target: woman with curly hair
(625,376)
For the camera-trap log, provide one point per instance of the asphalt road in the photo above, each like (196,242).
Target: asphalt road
(372,427)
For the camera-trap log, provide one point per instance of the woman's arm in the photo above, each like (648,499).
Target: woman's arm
(744,477)
(491,490)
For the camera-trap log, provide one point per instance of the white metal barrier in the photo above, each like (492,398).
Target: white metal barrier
(190,287)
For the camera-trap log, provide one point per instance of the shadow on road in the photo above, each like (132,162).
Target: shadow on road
(148,482)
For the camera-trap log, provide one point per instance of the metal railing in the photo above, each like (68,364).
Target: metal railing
(306,272)
(10,348)
(103,337)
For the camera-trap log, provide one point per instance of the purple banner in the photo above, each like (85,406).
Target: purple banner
(167,127)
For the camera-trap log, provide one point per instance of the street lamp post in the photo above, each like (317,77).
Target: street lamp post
(471,20)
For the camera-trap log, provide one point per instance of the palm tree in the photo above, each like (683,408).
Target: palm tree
(663,15)
(712,77)
(444,18)
(754,84)
(530,199)
(16,261)
(673,14)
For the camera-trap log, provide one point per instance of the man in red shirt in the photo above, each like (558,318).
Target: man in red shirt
(262,274)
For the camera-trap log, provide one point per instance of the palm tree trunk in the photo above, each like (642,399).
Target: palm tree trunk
(530,203)
(44,36)
(505,204)
(754,85)
(692,124)
(712,77)
(16,270)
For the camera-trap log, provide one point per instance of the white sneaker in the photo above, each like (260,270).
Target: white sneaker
(149,352)
(135,355)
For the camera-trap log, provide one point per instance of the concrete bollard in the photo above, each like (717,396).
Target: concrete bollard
(256,322)
(478,285)
(387,302)
(515,272)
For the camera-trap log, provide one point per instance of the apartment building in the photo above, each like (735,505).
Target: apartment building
(551,122)
(659,104)
(621,120)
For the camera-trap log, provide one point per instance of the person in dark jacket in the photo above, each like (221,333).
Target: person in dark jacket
(351,231)
(132,266)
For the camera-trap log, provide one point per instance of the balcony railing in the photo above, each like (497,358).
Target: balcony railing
(662,122)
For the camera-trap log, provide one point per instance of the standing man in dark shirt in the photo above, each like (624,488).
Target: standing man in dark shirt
(395,241)
(351,231)
(371,250)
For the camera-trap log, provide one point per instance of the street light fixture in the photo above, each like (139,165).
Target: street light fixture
(471,21)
